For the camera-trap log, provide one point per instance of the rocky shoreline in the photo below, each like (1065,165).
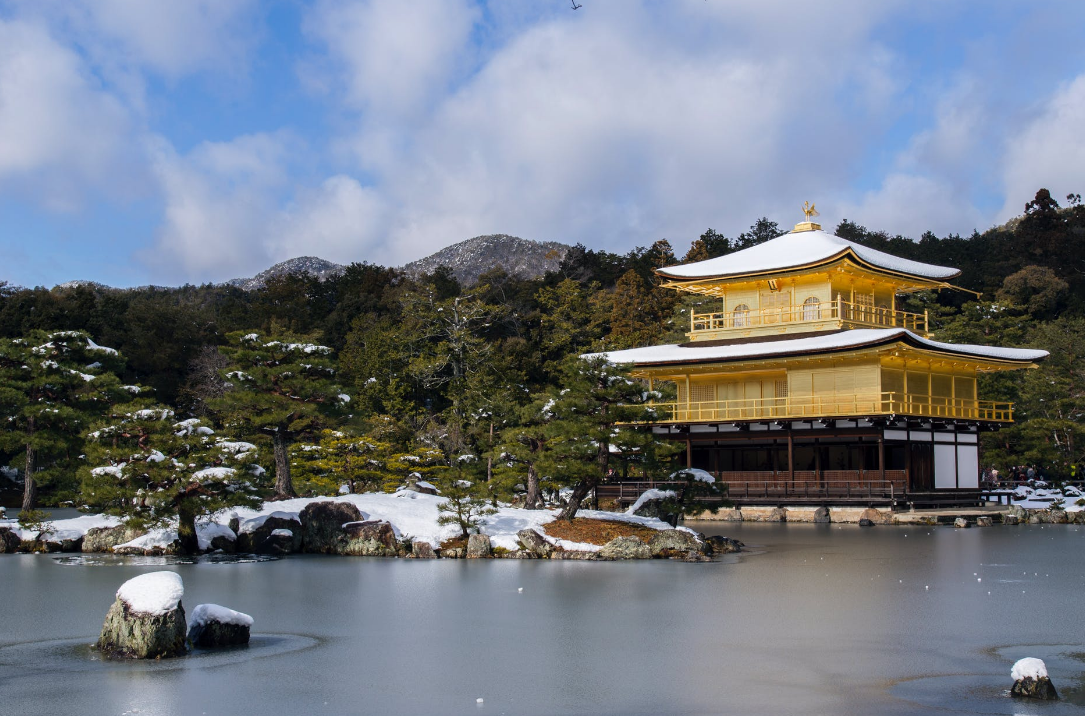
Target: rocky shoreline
(340,528)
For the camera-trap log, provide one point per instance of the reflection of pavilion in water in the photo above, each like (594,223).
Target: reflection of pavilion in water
(807,383)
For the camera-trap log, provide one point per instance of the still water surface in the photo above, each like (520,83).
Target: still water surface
(818,620)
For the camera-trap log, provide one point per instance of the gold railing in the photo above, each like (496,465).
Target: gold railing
(813,407)
(857,313)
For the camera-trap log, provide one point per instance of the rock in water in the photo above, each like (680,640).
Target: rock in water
(104,539)
(478,546)
(535,542)
(368,539)
(1030,680)
(422,550)
(322,525)
(961,523)
(821,516)
(214,626)
(9,541)
(672,543)
(984,522)
(866,522)
(624,548)
(724,545)
(147,621)
(256,534)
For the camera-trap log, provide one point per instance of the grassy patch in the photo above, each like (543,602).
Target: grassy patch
(454,543)
(582,529)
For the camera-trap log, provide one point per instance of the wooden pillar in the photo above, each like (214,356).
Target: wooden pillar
(817,460)
(790,456)
(689,398)
(881,456)
(689,453)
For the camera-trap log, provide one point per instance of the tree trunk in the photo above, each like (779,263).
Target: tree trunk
(284,486)
(30,488)
(186,526)
(531,502)
(579,493)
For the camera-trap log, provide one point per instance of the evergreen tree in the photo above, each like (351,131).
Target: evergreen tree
(465,501)
(596,411)
(281,390)
(52,385)
(521,448)
(694,493)
(145,466)
(361,461)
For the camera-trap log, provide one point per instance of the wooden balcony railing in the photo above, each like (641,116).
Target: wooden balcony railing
(853,313)
(818,406)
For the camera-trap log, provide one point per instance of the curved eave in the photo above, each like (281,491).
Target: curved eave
(846,253)
(905,339)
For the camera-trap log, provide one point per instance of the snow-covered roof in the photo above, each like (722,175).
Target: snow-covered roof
(801,248)
(824,343)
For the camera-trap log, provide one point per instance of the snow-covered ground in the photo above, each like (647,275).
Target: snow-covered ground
(1041,497)
(411,514)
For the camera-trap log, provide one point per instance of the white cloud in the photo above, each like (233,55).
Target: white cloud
(231,209)
(609,129)
(216,203)
(1048,152)
(397,55)
(910,204)
(340,221)
(171,39)
(61,134)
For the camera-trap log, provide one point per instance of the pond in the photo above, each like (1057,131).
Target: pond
(816,619)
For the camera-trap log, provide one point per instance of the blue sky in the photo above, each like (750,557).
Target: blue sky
(200,140)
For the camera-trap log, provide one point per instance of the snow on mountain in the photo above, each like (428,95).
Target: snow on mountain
(311,265)
(468,260)
(471,258)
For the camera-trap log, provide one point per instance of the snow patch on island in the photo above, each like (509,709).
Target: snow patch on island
(152,593)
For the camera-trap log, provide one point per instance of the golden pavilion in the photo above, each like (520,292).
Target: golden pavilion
(808,383)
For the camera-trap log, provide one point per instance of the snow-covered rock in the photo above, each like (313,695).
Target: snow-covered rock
(217,626)
(1030,680)
(671,542)
(147,620)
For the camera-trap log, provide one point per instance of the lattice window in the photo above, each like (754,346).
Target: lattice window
(741,315)
(811,309)
(781,388)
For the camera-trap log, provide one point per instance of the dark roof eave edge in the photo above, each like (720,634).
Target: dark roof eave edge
(841,349)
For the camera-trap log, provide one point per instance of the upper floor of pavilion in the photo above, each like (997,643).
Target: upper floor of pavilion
(805,281)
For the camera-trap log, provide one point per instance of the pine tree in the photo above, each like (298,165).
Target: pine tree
(596,411)
(52,385)
(694,493)
(521,448)
(281,390)
(361,461)
(465,501)
(149,468)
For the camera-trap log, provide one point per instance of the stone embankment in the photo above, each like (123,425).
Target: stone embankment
(870,516)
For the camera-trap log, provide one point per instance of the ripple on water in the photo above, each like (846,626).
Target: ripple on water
(119,560)
(989,693)
(79,655)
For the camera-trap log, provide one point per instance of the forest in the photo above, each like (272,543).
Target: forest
(372,377)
